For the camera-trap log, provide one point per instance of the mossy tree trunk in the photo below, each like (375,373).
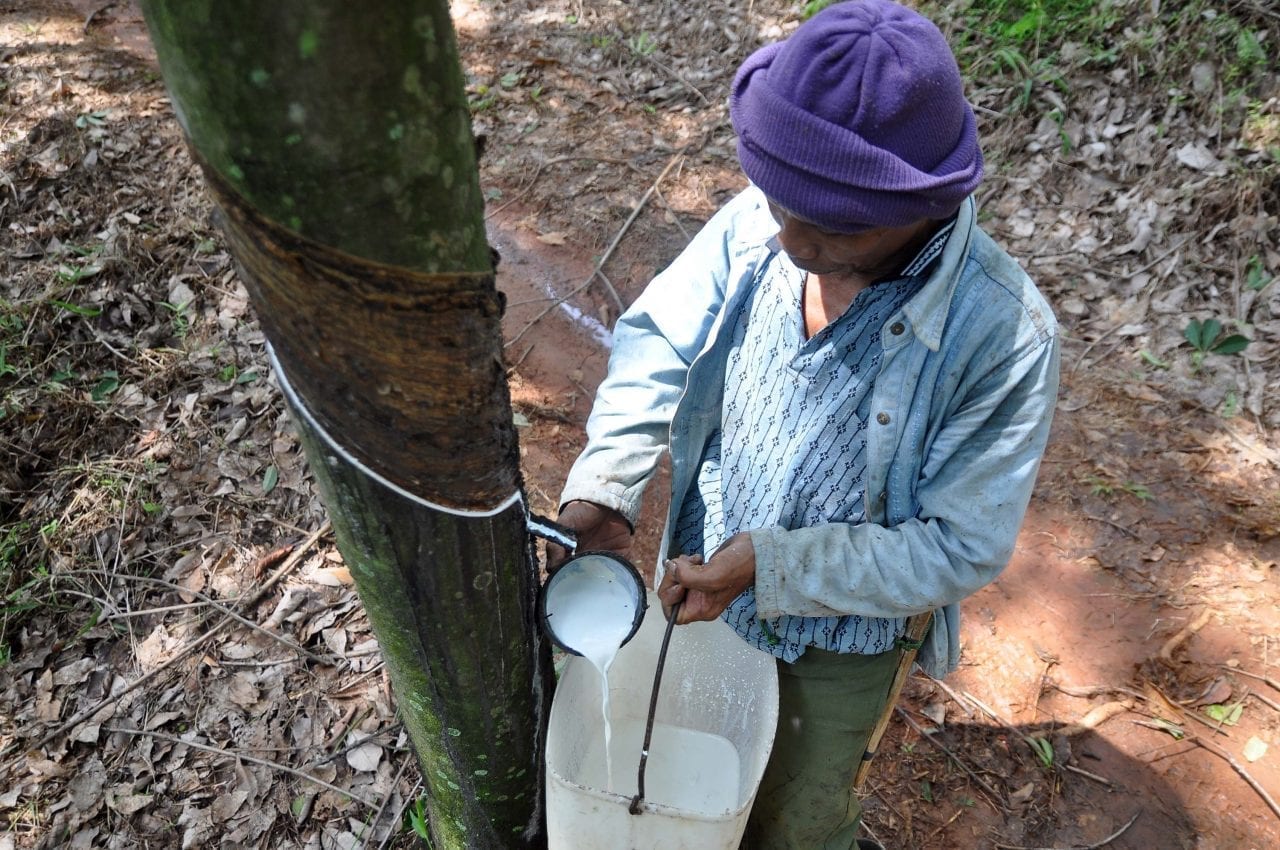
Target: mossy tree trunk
(336,143)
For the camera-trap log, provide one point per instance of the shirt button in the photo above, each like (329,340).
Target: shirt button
(897,328)
(882,418)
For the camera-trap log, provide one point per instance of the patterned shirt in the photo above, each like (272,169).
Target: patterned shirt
(791,447)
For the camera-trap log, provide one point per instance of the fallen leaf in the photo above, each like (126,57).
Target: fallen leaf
(365,757)
(1023,794)
(1228,715)
(333,576)
(122,799)
(555,237)
(75,673)
(1164,707)
(1199,158)
(242,691)
(1254,749)
(1219,690)
(86,787)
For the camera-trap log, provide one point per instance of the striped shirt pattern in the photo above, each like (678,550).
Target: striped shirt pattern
(791,449)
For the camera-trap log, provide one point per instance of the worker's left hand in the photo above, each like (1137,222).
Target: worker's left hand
(707,589)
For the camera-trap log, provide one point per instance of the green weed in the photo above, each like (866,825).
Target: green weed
(415,819)
(1255,276)
(1108,487)
(1227,715)
(812,8)
(1207,338)
(181,322)
(642,44)
(1043,750)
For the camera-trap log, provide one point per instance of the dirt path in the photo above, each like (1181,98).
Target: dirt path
(1142,594)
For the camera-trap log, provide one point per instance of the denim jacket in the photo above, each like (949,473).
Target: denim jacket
(960,416)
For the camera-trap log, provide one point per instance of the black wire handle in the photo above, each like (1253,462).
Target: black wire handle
(638,799)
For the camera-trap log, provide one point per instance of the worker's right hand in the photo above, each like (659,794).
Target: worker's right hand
(599,529)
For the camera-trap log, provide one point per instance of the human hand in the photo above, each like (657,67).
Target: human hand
(599,529)
(707,589)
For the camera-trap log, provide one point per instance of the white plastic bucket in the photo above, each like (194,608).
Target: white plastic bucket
(719,697)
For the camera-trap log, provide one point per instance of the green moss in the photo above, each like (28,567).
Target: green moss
(308,43)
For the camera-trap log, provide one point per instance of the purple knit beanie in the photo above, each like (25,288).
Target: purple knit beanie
(858,120)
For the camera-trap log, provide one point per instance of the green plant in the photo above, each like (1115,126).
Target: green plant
(1108,487)
(107,384)
(1153,360)
(1207,338)
(6,368)
(77,309)
(1227,715)
(482,98)
(18,581)
(642,44)
(1043,750)
(181,321)
(1255,276)
(415,819)
(814,7)
(97,118)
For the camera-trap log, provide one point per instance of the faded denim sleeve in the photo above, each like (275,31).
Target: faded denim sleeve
(971,495)
(654,343)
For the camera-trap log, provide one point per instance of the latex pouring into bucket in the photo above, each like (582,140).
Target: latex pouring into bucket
(692,727)
(590,606)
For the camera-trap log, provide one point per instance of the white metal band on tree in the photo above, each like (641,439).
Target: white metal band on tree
(297,403)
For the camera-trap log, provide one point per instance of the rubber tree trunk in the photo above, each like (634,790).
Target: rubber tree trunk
(335,140)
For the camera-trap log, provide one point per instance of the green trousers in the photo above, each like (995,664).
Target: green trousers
(828,705)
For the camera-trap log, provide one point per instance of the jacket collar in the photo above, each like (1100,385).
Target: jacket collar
(927,310)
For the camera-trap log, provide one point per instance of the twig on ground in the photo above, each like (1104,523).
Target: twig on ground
(1090,691)
(1166,651)
(1117,526)
(537,172)
(1079,360)
(288,566)
(955,697)
(346,689)
(1222,754)
(216,604)
(1271,682)
(604,258)
(675,218)
(413,795)
(377,816)
(673,72)
(955,758)
(943,826)
(1269,703)
(1082,772)
(1096,716)
(395,727)
(1103,843)
(1164,255)
(241,756)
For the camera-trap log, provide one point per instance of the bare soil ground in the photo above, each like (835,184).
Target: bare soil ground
(1119,686)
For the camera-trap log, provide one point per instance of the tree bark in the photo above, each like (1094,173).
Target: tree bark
(335,141)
